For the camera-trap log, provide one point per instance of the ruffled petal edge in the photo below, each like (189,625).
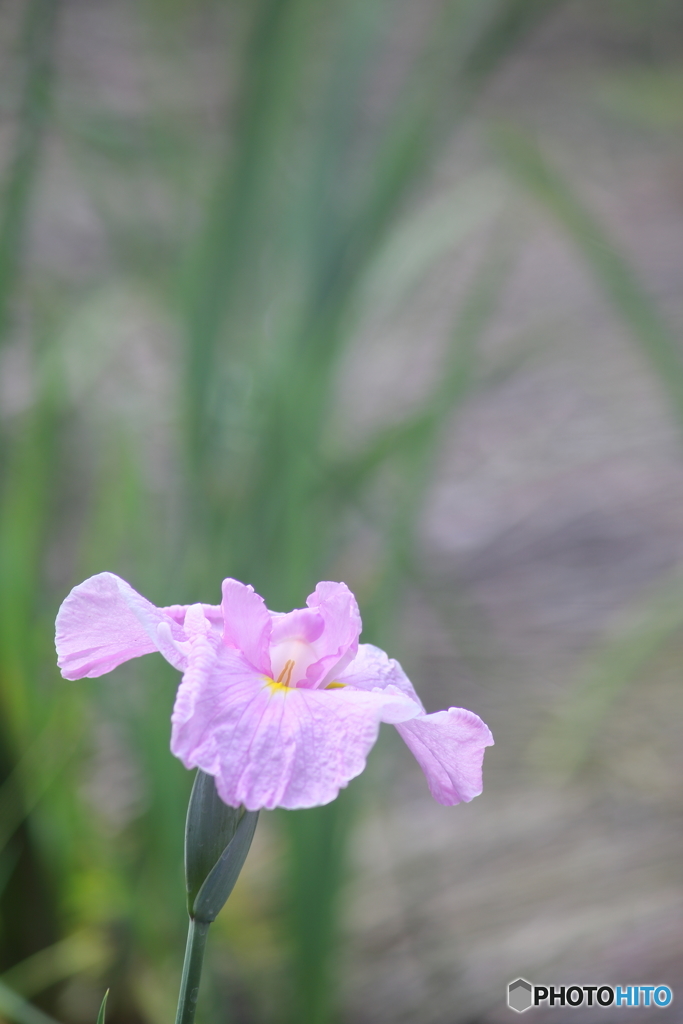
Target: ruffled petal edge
(104,622)
(449,747)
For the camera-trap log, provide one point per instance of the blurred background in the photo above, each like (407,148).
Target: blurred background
(386,291)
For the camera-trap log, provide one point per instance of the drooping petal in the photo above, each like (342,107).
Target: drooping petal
(247,623)
(338,643)
(274,746)
(449,747)
(372,668)
(104,622)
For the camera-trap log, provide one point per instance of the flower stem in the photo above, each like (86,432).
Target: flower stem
(192,971)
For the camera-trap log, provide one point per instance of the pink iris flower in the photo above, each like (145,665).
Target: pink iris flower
(282,709)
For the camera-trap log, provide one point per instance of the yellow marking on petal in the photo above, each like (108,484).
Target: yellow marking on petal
(274,686)
(335,686)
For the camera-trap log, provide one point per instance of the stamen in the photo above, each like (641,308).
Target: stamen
(286,673)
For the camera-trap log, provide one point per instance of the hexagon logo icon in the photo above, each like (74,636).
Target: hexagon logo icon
(519,995)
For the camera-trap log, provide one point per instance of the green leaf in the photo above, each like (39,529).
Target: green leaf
(217,841)
(100,1015)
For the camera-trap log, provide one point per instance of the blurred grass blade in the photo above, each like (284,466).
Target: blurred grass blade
(441,225)
(37,47)
(611,270)
(416,457)
(566,743)
(509,23)
(100,1015)
(82,951)
(39,768)
(318,840)
(454,382)
(470,40)
(241,200)
(18,1010)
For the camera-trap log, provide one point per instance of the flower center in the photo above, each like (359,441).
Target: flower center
(286,674)
(290,661)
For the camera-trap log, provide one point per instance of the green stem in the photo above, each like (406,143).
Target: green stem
(192,971)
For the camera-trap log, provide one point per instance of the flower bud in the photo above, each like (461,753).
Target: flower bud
(217,841)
